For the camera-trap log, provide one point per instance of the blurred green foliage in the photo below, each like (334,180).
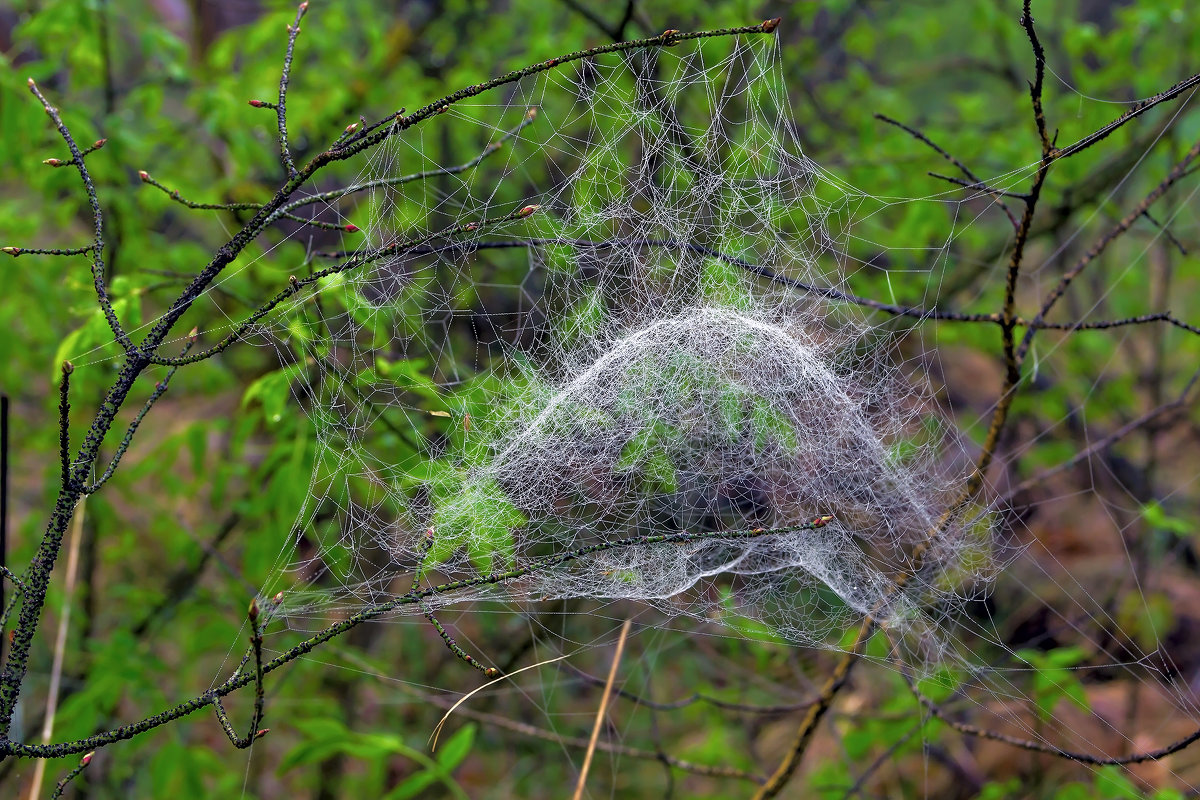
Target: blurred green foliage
(190,527)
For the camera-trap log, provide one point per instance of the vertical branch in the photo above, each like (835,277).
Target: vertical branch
(974,483)
(601,712)
(242,742)
(1035,87)
(833,684)
(285,154)
(97,246)
(64,422)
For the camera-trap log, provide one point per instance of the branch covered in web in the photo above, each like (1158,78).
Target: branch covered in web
(295,285)
(243,679)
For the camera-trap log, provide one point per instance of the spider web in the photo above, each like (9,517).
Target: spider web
(665,353)
(667,344)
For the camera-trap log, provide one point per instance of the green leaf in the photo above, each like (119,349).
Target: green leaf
(479,517)
(272,391)
(456,748)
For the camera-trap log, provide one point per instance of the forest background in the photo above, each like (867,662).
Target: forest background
(186,533)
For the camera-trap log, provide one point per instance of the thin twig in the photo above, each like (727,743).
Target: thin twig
(1105,442)
(242,742)
(295,285)
(602,711)
(70,776)
(1038,747)
(976,181)
(160,389)
(1108,238)
(285,155)
(97,246)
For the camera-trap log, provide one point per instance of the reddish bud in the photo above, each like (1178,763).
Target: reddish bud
(471,226)
(54,162)
(99,143)
(527,210)
(30,82)
(257,103)
(261,733)
(252,612)
(552,62)
(67,368)
(352,127)
(193,335)
(531,113)
(12,251)
(770,25)
(278,598)
(351,228)
(491,672)
(468,659)
(161,386)
(429,533)
(669,32)
(87,759)
(145,176)
(304,6)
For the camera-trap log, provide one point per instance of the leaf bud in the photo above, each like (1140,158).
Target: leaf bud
(193,335)
(527,210)
(12,251)
(351,228)
(252,612)
(87,759)
(770,25)
(145,176)
(53,162)
(67,368)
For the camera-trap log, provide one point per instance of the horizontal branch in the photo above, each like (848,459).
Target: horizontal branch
(183,201)
(336,194)
(1136,111)
(297,284)
(916,312)
(337,629)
